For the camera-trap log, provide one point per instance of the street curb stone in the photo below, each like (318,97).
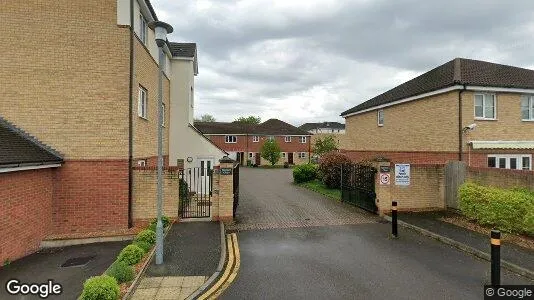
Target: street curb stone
(468,249)
(219,269)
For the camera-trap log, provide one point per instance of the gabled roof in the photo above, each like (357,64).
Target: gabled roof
(183,49)
(18,148)
(311,126)
(269,127)
(459,71)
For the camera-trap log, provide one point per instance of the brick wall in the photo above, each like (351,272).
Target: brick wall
(501,177)
(403,157)
(246,144)
(222,207)
(26,214)
(425,192)
(91,196)
(145,193)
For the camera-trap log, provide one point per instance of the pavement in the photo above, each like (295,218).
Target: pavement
(430,221)
(191,254)
(46,264)
(286,256)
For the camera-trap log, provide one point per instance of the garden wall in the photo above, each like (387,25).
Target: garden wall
(501,178)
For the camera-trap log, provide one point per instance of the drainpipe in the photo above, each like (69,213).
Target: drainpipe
(130,117)
(460,127)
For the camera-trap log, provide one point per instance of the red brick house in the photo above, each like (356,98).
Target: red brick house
(28,170)
(243,142)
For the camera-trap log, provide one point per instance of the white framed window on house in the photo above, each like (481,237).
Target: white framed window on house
(287,139)
(510,161)
(485,106)
(380,117)
(163,111)
(271,138)
(527,108)
(255,138)
(303,139)
(302,155)
(143,29)
(142,103)
(230,139)
(250,155)
(283,155)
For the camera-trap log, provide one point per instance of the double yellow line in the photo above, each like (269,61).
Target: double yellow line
(230,272)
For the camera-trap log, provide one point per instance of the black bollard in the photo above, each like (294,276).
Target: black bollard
(495,257)
(394,231)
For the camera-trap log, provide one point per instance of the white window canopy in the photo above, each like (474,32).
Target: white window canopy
(502,144)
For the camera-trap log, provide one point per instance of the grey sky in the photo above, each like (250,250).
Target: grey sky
(309,60)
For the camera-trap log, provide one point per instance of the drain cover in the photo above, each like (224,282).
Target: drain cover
(77,261)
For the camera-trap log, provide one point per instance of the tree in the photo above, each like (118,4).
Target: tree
(271,151)
(248,120)
(205,118)
(325,145)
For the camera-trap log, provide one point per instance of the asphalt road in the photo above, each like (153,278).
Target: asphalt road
(357,261)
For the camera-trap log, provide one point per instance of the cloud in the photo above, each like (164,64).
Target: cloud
(310,60)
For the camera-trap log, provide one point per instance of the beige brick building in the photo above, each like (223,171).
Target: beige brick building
(475,111)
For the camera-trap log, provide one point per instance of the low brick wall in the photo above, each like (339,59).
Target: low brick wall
(425,192)
(145,193)
(26,211)
(502,178)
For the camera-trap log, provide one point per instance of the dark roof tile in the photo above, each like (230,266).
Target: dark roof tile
(269,127)
(311,126)
(183,49)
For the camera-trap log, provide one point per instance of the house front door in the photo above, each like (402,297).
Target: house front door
(258,158)
(290,158)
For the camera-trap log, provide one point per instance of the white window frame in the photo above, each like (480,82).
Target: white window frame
(287,139)
(143,29)
(141,163)
(507,157)
(302,155)
(270,138)
(303,139)
(163,109)
(255,139)
(250,155)
(142,103)
(530,107)
(230,139)
(380,117)
(484,98)
(283,155)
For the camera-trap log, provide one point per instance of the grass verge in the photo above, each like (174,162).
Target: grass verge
(317,186)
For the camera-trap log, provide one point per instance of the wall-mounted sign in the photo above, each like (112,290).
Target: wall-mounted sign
(402,174)
(384,178)
(226,171)
(384,169)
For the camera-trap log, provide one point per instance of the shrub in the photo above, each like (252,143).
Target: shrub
(183,190)
(102,287)
(304,173)
(131,254)
(143,245)
(165,220)
(330,169)
(121,271)
(270,151)
(147,236)
(509,210)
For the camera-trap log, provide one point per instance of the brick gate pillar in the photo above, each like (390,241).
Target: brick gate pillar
(224,191)
(383,191)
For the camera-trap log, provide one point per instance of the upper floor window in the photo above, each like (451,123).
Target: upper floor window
(485,106)
(527,108)
(142,103)
(255,139)
(287,139)
(514,162)
(230,139)
(303,139)
(143,29)
(380,118)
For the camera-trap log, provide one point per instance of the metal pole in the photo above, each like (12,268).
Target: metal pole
(159,225)
(495,257)
(394,228)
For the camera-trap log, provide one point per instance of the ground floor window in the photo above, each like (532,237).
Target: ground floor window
(506,161)
(283,155)
(302,154)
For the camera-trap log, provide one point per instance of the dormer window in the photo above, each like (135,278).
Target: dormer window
(143,29)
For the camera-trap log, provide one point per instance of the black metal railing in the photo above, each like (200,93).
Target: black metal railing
(358,186)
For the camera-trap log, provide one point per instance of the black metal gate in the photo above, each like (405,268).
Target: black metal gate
(196,186)
(236,187)
(358,186)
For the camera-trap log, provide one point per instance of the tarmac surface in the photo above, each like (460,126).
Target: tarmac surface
(46,264)
(335,261)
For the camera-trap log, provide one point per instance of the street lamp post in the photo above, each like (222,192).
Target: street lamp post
(161,29)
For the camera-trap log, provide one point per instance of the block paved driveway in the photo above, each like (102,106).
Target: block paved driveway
(341,252)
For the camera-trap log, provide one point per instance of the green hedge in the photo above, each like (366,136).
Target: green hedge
(147,236)
(102,287)
(304,173)
(166,221)
(509,210)
(131,254)
(121,271)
